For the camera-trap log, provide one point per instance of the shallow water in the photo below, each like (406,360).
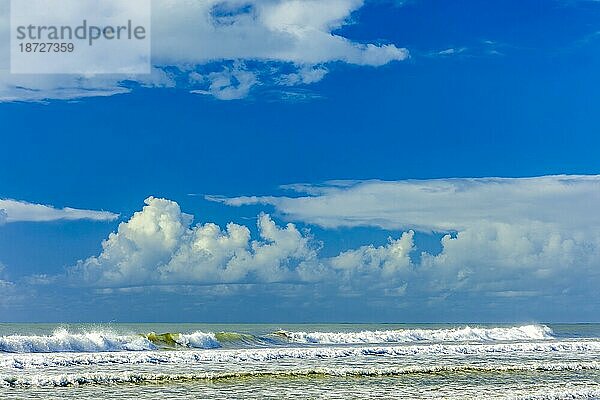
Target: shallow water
(191,361)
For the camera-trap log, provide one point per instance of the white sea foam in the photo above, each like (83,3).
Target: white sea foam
(570,394)
(63,341)
(462,334)
(60,380)
(191,357)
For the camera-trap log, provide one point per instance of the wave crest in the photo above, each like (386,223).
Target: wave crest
(463,334)
(62,340)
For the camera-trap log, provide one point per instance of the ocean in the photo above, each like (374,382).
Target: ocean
(308,361)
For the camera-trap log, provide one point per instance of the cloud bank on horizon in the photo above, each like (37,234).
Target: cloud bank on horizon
(222,48)
(547,247)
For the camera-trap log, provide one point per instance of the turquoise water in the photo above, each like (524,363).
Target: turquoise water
(332,361)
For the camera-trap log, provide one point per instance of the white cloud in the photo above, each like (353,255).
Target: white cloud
(305,75)
(31,87)
(158,245)
(452,51)
(389,260)
(444,205)
(68,87)
(40,279)
(7,291)
(298,31)
(503,235)
(21,211)
(9,294)
(511,238)
(386,270)
(230,84)
(188,34)
(500,257)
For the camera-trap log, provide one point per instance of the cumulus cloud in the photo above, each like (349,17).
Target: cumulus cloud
(498,235)
(504,239)
(385,270)
(389,260)
(520,258)
(21,211)
(296,35)
(158,245)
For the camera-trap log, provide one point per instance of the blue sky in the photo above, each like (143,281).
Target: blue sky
(468,90)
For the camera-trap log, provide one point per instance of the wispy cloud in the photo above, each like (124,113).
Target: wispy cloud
(473,49)
(443,205)
(22,211)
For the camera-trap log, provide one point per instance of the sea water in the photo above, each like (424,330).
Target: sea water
(343,361)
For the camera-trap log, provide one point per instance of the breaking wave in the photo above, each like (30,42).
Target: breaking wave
(61,340)
(462,334)
(196,340)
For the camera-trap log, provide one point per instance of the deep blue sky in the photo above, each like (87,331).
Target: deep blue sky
(520,99)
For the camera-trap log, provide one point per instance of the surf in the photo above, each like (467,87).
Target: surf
(197,340)
(461,334)
(67,380)
(97,341)
(272,355)
(61,340)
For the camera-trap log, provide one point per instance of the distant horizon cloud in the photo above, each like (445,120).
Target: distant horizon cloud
(551,254)
(22,211)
